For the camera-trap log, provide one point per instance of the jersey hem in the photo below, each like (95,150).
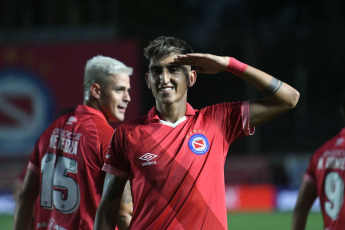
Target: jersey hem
(246,119)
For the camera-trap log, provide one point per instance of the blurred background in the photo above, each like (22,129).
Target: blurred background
(44,46)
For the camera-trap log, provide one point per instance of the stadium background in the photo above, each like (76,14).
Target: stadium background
(44,46)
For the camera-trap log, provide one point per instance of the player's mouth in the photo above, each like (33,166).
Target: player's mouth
(166,89)
(121,109)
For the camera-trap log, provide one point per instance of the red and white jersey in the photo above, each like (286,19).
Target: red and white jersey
(327,170)
(68,157)
(177,170)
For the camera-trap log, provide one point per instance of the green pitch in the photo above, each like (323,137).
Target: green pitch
(270,221)
(6,222)
(238,221)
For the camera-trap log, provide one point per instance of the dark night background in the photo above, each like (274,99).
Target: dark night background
(299,42)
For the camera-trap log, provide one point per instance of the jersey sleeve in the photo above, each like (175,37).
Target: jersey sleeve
(97,142)
(232,118)
(34,161)
(310,175)
(115,161)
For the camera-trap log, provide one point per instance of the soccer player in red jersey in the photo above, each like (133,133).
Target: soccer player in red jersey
(174,156)
(324,178)
(64,171)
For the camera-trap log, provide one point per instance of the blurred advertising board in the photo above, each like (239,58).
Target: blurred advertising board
(251,198)
(39,81)
(261,198)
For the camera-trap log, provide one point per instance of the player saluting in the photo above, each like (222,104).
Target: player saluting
(183,186)
(64,171)
(324,178)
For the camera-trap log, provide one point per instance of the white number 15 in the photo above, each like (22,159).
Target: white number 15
(57,187)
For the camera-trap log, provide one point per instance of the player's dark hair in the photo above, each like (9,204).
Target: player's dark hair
(164,46)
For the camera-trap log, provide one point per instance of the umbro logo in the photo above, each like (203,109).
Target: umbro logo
(71,120)
(147,156)
(339,141)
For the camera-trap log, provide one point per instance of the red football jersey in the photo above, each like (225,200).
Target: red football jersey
(327,170)
(177,170)
(68,158)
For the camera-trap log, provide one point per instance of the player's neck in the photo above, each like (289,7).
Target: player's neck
(92,104)
(171,112)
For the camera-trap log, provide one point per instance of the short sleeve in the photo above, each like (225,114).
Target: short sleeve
(116,161)
(34,161)
(232,119)
(310,171)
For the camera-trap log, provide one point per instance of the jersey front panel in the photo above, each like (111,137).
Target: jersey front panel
(327,170)
(68,158)
(178,171)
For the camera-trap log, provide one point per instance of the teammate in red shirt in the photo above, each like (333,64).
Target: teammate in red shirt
(64,171)
(324,178)
(174,156)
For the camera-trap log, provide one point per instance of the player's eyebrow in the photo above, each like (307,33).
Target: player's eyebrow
(171,64)
(120,87)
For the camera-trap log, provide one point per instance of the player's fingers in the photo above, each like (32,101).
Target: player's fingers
(186,62)
(196,55)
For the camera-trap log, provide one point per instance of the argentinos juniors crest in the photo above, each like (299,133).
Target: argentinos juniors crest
(198,144)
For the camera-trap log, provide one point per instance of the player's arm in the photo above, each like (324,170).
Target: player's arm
(305,200)
(26,199)
(278,98)
(108,209)
(126,208)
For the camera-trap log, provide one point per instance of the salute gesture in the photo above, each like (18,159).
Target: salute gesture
(204,63)
(279,97)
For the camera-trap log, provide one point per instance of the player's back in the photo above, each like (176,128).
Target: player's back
(327,167)
(69,156)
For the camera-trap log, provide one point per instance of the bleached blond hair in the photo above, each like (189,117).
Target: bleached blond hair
(99,68)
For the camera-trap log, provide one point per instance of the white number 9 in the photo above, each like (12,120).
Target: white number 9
(334,190)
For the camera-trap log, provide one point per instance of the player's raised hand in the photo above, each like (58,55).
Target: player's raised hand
(204,63)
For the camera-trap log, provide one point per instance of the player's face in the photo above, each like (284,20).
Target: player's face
(169,80)
(114,97)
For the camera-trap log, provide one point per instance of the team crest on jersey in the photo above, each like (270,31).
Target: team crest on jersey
(198,144)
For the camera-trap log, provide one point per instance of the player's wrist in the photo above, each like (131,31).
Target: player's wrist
(236,67)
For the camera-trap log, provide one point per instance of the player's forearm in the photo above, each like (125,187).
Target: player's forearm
(126,208)
(105,219)
(123,221)
(108,209)
(299,220)
(274,90)
(23,215)
(107,213)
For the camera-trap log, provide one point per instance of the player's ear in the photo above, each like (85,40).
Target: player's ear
(147,80)
(192,78)
(95,90)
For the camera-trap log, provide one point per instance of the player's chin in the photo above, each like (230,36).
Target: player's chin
(120,116)
(117,117)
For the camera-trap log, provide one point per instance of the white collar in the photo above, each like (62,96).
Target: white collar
(179,121)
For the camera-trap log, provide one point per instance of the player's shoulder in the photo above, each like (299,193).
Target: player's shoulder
(220,107)
(137,123)
(101,124)
(55,124)
(335,142)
